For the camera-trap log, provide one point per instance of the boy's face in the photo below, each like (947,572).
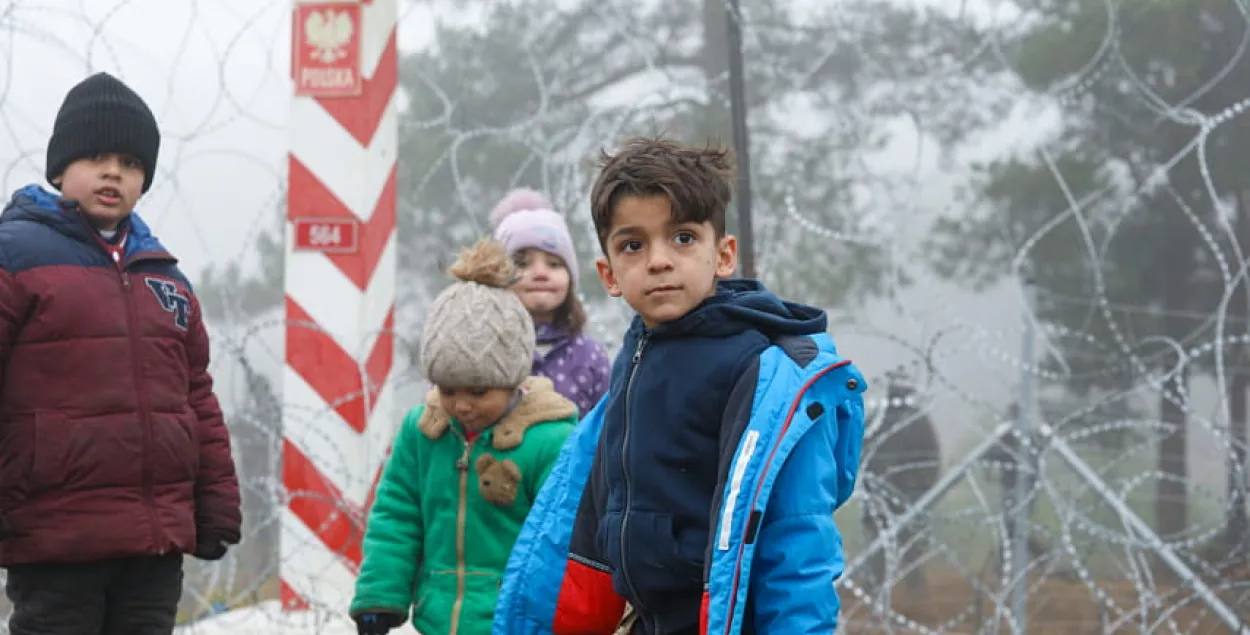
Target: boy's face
(663,268)
(106,186)
(475,408)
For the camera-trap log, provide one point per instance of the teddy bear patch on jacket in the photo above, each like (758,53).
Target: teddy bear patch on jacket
(498,480)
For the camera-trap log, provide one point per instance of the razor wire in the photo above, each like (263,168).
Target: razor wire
(851,174)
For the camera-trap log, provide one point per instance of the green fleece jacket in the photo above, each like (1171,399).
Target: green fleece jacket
(447,511)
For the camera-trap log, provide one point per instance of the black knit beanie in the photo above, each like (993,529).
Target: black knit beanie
(99,115)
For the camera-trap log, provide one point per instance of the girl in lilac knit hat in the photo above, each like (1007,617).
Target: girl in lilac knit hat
(538,240)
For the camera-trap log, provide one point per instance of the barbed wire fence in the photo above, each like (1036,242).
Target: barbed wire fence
(944,452)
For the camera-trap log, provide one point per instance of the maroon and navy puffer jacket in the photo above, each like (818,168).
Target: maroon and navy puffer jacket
(111,439)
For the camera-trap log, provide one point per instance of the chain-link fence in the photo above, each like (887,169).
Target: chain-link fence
(949,179)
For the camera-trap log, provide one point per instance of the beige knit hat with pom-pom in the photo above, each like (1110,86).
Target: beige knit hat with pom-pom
(477,333)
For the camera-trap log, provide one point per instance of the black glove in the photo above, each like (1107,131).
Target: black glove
(377,623)
(209,547)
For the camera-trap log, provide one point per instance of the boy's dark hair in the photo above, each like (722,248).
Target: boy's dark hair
(697,181)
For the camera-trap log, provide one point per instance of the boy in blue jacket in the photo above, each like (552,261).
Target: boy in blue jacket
(698,496)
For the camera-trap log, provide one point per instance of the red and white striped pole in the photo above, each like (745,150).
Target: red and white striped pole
(338,416)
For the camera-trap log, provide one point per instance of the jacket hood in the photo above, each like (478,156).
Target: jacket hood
(740,305)
(35,204)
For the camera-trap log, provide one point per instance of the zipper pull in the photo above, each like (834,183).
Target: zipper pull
(125,279)
(116,255)
(462,464)
(642,343)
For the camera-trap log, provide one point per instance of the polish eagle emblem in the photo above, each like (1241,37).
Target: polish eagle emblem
(328,33)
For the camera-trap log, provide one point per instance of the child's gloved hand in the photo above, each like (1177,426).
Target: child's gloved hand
(210,547)
(378,623)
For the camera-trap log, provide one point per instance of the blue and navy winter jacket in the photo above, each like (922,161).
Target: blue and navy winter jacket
(635,508)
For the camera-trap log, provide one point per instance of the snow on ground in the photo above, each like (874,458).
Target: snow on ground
(267,618)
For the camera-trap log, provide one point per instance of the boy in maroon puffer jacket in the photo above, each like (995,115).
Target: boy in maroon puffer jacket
(114,460)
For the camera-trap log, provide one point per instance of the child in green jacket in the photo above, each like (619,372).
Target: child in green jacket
(466,465)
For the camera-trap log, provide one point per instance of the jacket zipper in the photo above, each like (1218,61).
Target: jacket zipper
(145,419)
(794,406)
(635,364)
(117,255)
(462,466)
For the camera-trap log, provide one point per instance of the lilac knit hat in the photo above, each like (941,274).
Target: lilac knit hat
(526,219)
